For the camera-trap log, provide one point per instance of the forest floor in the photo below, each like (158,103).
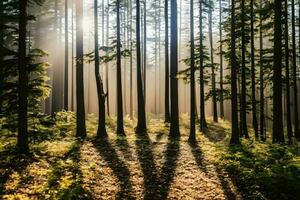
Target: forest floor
(151,167)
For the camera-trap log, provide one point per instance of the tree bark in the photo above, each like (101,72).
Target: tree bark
(253,84)
(22,139)
(222,115)
(278,136)
(192,137)
(81,126)
(120,123)
(141,124)
(174,129)
(244,129)
(167,70)
(66,85)
(287,75)
(295,87)
(203,123)
(235,136)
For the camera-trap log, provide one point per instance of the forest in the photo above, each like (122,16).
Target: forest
(156,99)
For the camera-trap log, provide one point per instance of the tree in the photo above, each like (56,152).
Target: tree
(99,83)
(120,124)
(287,74)
(253,84)
(221,63)
(22,142)
(296,118)
(278,136)
(203,123)
(235,137)
(1,55)
(141,126)
(174,129)
(66,81)
(244,130)
(261,79)
(167,70)
(192,137)
(213,78)
(80,114)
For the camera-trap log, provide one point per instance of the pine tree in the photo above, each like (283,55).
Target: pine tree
(80,114)
(167,70)
(174,129)
(235,137)
(141,126)
(278,135)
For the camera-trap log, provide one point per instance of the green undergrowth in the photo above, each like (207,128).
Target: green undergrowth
(60,166)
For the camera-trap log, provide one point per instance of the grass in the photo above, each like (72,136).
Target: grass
(153,166)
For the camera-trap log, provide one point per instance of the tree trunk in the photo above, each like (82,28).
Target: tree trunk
(278,136)
(221,64)
(192,137)
(203,123)
(145,51)
(261,80)
(244,129)
(167,71)
(107,64)
(131,63)
(1,56)
(66,85)
(81,127)
(214,95)
(174,129)
(253,84)
(235,136)
(120,125)
(22,140)
(141,124)
(287,75)
(296,122)
(100,91)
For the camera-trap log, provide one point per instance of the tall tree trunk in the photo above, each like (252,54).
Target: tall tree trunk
(214,95)
(296,118)
(120,124)
(278,135)
(100,91)
(235,136)
(253,84)
(145,51)
(287,78)
(72,77)
(167,71)
(203,123)
(261,80)
(131,62)
(22,140)
(192,137)
(244,129)
(1,56)
(107,64)
(66,85)
(174,129)
(80,113)
(221,64)
(141,124)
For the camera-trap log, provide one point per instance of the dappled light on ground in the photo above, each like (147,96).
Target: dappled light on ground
(151,166)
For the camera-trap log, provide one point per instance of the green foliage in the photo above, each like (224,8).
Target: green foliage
(263,170)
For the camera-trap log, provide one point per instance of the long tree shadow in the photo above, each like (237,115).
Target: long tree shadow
(117,165)
(199,156)
(124,146)
(146,158)
(12,161)
(169,167)
(202,164)
(157,186)
(76,189)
